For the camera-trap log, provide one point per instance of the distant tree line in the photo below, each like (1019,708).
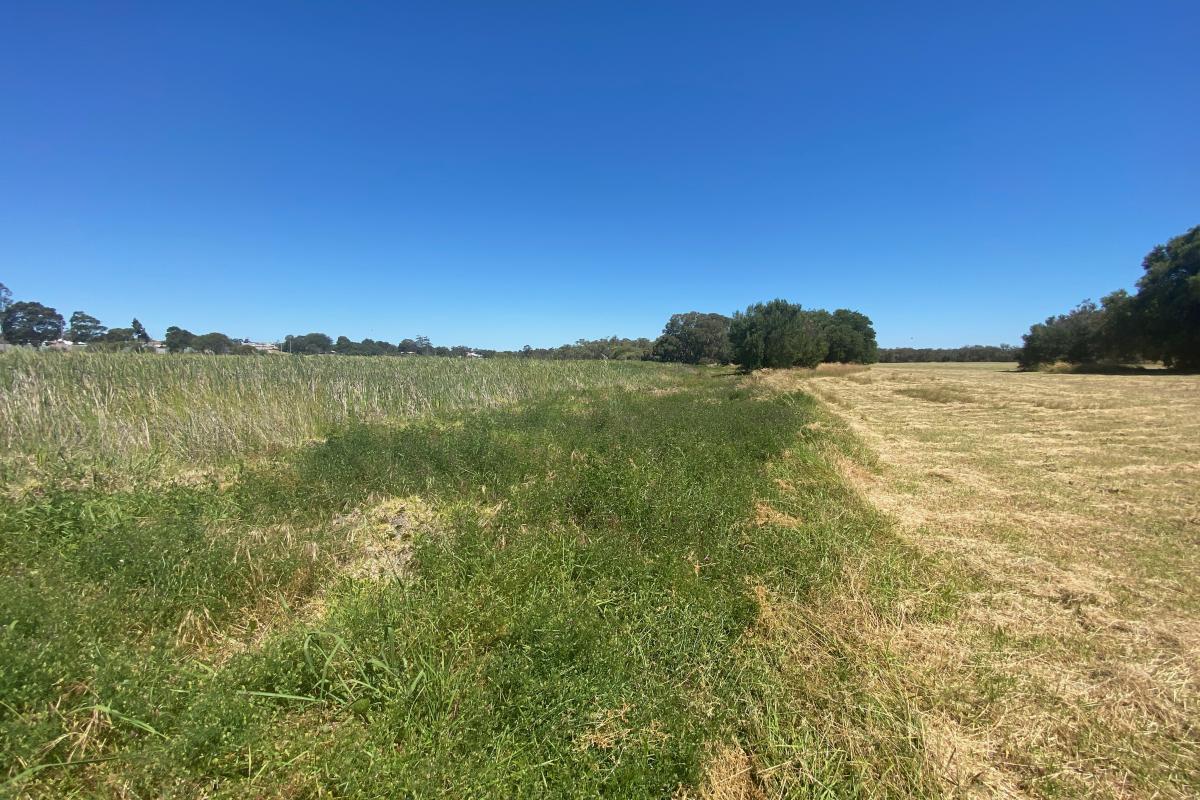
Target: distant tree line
(774,334)
(611,349)
(31,323)
(319,344)
(1160,322)
(971,352)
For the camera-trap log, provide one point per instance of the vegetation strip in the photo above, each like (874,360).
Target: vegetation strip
(599,590)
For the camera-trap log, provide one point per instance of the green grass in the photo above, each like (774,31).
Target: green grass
(579,617)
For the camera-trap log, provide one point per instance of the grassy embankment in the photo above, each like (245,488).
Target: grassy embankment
(435,579)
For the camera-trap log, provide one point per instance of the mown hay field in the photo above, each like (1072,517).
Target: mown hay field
(1064,509)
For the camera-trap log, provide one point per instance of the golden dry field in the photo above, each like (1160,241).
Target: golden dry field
(1063,513)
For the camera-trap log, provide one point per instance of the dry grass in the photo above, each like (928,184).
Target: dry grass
(1065,512)
(75,419)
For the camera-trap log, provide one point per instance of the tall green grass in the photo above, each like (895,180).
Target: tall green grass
(73,416)
(583,614)
(589,602)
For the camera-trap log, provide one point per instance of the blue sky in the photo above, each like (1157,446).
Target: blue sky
(503,173)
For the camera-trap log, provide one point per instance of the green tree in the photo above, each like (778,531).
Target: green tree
(1072,337)
(1118,332)
(85,328)
(31,323)
(1167,304)
(851,337)
(215,343)
(5,298)
(178,339)
(119,336)
(139,332)
(777,334)
(694,338)
(308,344)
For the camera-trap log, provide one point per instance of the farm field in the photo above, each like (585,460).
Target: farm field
(352,577)
(1065,511)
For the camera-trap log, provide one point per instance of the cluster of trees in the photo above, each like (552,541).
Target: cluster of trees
(694,338)
(613,348)
(26,322)
(30,323)
(1160,322)
(179,340)
(774,334)
(310,344)
(971,352)
(783,334)
(595,349)
(86,329)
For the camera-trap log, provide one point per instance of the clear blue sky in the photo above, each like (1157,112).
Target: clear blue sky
(503,173)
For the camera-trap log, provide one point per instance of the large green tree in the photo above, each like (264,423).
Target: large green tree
(215,343)
(139,331)
(1161,322)
(85,328)
(850,335)
(178,339)
(31,323)
(5,298)
(1072,337)
(119,336)
(1167,304)
(777,334)
(308,344)
(694,338)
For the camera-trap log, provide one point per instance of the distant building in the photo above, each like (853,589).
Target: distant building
(473,354)
(262,347)
(63,344)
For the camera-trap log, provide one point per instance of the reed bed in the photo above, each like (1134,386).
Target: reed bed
(77,415)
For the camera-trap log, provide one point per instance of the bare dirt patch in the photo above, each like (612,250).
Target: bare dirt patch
(383,534)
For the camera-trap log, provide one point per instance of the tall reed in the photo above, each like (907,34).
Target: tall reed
(73,414)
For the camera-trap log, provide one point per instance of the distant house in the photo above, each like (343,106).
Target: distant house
(64,345)
(262,347)
(473,354)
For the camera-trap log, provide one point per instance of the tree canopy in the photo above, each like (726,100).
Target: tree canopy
(1161,322)
(850,335)
(970,352)
(694,338)
(310,344)
(1167,304)
(139,331)
(85,328)
(777,334)
(31,323)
